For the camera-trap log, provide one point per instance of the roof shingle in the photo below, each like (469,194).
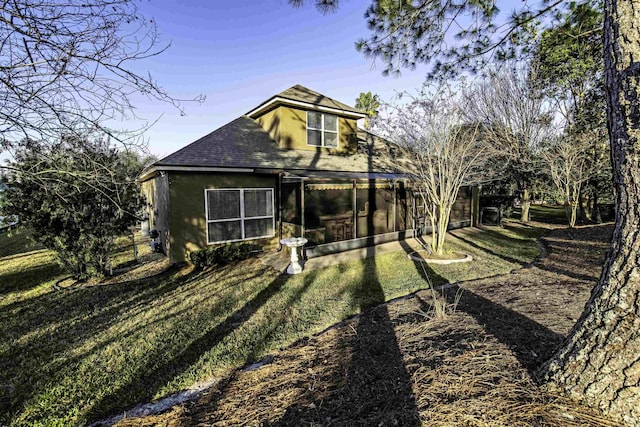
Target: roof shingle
(243,143)
(303,94)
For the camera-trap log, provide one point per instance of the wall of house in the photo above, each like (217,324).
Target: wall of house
(288,127)
(187,215)
(270,121)
(156,194)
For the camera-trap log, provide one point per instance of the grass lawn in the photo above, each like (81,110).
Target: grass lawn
(75,356)
(545,213)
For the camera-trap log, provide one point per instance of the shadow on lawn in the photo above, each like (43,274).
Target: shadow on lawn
(46,330)
(146,383)
(531,342)
(489,251)
(25,280)
(377,387)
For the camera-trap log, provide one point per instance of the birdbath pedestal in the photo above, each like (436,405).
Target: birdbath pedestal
(294,243)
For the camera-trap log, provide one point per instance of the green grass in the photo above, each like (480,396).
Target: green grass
(545,213)
(74,356)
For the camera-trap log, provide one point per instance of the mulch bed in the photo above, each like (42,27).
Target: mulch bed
(398,365)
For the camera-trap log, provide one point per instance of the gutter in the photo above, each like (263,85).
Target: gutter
(158,168)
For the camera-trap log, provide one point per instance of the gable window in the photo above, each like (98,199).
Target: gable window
(322,129)
(239,214)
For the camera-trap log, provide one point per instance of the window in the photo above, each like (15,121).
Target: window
(322,129)
(239,214)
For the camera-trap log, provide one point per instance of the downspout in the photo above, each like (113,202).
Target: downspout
(280,209)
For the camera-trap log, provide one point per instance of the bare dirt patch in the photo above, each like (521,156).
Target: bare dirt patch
(396,365)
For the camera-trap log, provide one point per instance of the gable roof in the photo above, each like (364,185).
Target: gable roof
(244,144)
(301,96)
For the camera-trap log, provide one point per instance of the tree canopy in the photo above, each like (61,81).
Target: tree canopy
(370,104)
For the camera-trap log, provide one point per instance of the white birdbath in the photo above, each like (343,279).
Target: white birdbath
(294,243)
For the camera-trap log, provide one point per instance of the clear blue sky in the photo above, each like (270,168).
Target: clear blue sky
(239,53)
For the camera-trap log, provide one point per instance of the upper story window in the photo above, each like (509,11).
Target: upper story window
(322,129)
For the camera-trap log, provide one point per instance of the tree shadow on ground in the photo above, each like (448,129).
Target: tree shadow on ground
(25,280)
(47,331)
(487,250)
(377,387)
(531,342)
(146,383)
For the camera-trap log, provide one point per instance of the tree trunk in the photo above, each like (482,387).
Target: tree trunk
(442,233)
(599,363)
(567,210)
(583,215)
(595,209)
(589,203)
(134,246)
(526,204)
(574,215)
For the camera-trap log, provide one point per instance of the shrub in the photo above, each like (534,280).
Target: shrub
(220,255)
(76,195)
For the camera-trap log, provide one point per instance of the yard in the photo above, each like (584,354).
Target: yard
(83,354)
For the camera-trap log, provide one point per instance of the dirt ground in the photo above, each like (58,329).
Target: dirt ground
(399,365)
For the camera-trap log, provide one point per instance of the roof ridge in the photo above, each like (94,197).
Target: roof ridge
(302,94)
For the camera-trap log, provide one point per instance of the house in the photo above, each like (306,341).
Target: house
(295,165)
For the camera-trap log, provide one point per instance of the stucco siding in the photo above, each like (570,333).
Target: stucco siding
(156,194)
(288,127)
(187,214)
(270,121)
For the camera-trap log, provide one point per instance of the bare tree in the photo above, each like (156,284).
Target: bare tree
(570,166)
(65,68)
(514,120)
(438,151)
(66,72)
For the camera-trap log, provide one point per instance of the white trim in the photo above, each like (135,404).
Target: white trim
(322,130)
(242,217)
(305,105)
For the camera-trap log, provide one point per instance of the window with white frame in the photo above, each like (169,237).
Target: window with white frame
(239,214)
(322,129)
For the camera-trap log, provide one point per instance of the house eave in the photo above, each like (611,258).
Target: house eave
(149,173)
(278,100)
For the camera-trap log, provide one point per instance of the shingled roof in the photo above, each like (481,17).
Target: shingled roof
(299,93)
(243,143)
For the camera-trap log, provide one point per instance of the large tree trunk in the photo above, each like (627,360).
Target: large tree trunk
(600,360)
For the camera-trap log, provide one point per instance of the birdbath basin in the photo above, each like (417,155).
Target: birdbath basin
(294,243)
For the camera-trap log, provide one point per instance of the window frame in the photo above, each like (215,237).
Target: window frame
(322,129)
(242,217)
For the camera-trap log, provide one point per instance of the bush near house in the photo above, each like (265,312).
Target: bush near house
(221,255)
